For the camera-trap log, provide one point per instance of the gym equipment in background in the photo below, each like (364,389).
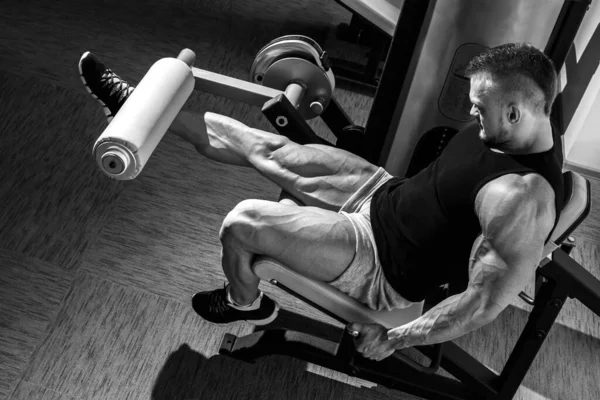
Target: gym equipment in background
(372,26)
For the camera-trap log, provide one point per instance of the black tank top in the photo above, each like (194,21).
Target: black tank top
(425,226)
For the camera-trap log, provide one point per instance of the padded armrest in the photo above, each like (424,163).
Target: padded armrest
(383,14)
(328,297)
(575,209)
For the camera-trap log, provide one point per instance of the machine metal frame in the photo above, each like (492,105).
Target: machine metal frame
(559,279)
(361,32)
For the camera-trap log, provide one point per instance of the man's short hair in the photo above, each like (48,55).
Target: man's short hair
(519,62)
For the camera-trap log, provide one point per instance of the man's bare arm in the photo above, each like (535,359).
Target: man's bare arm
(516,215)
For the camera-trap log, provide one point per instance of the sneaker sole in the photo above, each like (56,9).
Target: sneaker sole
(258,322)
(267,320)
(106,110)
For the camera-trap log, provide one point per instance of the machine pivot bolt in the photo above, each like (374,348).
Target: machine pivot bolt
(540,334)
(281,121)
(274,281)
(316,107)
(555,303)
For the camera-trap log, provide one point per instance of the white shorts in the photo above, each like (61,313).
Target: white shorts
(364,279)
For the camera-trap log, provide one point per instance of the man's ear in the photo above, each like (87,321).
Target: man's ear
(514,114)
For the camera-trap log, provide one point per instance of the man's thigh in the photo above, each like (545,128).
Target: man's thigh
(314,242)
(318,175)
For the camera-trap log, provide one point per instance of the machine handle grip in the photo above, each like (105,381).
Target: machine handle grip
(435,357)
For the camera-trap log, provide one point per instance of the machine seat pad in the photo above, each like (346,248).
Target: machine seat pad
(336,302)
(575,209)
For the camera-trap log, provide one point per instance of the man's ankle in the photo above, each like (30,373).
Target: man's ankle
(243,302)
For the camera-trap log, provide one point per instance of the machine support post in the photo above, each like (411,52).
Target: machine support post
(335,117)
(399,68)
(549,300)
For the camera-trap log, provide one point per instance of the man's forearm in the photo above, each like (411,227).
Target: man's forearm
(451,318)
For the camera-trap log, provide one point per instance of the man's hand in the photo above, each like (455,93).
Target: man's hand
(372,341)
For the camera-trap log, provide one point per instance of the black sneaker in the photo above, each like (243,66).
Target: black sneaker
(214,307)
(103,84)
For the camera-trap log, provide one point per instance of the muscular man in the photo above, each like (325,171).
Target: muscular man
(477,217)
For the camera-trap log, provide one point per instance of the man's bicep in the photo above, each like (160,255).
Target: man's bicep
(496,280)
(514,226)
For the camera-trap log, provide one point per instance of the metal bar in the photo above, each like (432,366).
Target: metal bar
(232,88)
(398,69)
(431,387)
(288,122)
(335,117)
(355,75)
(548,303)
(539,279)
(323,352)
(469,370)
(283,342)
(585,287)
(374,59)
(295,93)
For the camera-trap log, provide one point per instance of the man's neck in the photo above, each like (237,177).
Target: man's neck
(541,140)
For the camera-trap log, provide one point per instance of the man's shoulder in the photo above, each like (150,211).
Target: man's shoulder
(516,214)
(514,194)
(519,187)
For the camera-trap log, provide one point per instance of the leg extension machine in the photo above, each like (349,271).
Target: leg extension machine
(290,90)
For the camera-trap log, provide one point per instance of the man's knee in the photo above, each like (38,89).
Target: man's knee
(287,198)
(241,225)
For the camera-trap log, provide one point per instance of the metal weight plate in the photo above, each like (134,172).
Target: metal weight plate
(295,59)
(296,70)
